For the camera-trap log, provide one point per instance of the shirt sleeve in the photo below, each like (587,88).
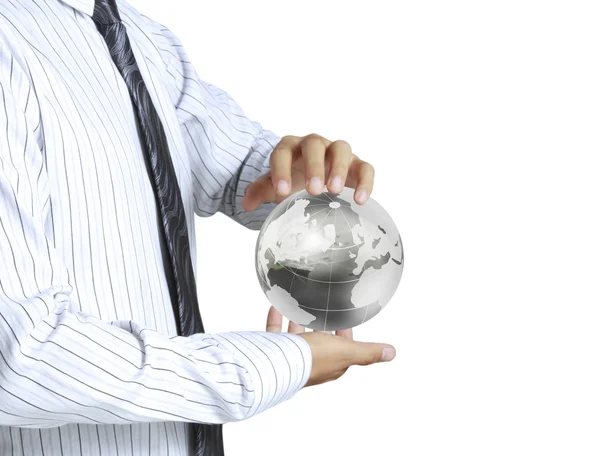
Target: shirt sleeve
(59,366)
(227,150)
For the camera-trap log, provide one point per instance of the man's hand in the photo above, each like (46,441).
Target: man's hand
(332,355)
(310,161)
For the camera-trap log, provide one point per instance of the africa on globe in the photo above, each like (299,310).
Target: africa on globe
(326,262)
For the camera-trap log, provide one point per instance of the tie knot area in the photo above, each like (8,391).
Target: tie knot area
(106,12)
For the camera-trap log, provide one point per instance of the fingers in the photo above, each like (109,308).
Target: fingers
(345,333)
(295,328)
(313,149)
(309,159)
(361,176)
(340,156)
(280,163)
(332,356)
(274,320)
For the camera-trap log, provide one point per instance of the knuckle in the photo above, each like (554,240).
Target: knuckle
(314,139)
(340,169)
(367,167)
(342,145)
(374,357)
(314,167)
(370,358)
(274,154)
(288,139)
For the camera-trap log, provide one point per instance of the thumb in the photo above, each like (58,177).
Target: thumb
(258,192)
(365,353)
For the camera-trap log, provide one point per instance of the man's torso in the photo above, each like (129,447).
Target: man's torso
(101,215)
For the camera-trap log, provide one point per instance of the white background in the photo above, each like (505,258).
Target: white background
(482,121)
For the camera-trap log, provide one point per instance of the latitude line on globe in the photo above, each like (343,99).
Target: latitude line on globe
(288,269)
(347,246)
(315,280)
(331,262)
(333,310)
(309,197)
(313,197)
(322,203)
(302,278)
(322,210)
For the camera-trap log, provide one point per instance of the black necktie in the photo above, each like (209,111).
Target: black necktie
(208,439)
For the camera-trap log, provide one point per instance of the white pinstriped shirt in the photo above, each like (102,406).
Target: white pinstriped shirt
(89,358)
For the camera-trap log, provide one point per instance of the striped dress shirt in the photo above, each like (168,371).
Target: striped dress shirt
(90,360)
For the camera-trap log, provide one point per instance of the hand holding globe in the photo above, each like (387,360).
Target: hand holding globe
(297,244)
(332,355)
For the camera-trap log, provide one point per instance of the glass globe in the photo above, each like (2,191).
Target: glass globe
(326,262)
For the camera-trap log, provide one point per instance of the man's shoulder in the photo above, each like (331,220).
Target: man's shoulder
(24,23)
(15,15)
(168,48)
(163,38)
(16,18)
(142,20)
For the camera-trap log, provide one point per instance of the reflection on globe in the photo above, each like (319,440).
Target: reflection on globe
(328,263)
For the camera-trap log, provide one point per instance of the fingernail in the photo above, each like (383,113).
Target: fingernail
(361,196)
(336,183)
(315,185)
(388,354)
(283,187)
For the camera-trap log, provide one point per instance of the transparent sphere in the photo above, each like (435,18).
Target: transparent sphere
(328,263)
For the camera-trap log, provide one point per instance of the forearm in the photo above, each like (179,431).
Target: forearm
(227,149)
(279,364)
(71,367)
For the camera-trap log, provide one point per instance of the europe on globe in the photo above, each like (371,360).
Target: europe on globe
(326,262)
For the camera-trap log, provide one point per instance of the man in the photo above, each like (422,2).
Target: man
(98,352)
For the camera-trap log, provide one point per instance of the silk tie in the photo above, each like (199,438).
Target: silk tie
(207,439)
